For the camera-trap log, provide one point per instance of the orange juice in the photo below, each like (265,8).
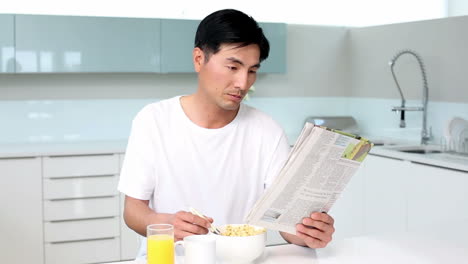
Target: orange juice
(160,249)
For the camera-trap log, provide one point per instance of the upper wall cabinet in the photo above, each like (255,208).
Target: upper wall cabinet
(86,44)
(177,42)
(276,35)
(61,44)
(7,48)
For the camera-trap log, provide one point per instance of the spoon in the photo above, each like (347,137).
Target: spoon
(212,228)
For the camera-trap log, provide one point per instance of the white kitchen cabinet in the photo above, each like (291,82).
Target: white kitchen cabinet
(348,211)
(81,208)
(86,229)
(63,209)
(80,166)
(79,187)
(385,195)
(437,200)
(403,196)
(21,235)
(129,239)
(87,251)
(69,209)
(374,202)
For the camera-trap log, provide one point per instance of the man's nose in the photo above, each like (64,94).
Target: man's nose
(242,80)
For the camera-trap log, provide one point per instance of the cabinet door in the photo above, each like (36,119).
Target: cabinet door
(129,239)
(348,211)
(86,44)
(437,200)
(82,252)
(7,48)
(276,34)
(62,167)
(21,234)
(177,43)
(385,195)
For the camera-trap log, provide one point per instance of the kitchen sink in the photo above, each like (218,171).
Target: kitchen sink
(417,149)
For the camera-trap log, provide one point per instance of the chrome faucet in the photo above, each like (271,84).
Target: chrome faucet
(426,134)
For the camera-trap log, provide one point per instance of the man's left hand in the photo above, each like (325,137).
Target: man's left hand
(316,230)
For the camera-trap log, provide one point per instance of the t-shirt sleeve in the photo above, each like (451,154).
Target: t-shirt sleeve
(137,177)
(279,157)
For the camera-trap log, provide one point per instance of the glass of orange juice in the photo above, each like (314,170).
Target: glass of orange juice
(160,244)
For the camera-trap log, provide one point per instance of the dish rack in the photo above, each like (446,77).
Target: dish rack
(455,138)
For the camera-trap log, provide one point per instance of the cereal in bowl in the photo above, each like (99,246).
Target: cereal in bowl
(242,230)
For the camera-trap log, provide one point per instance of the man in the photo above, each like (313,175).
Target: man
(207,150)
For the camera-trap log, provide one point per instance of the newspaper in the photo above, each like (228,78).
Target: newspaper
(317,170)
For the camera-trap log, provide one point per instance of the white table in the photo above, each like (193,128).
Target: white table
(391,249)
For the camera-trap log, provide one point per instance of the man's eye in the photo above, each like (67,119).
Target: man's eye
(252,71)
(233,68)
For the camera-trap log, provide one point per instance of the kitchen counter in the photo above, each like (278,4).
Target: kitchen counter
(444,160)
(18,150)
(401,248)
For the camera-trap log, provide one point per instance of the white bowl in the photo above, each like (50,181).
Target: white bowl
(239,250)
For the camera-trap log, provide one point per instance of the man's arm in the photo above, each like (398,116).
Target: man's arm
(138,215)
(315,231)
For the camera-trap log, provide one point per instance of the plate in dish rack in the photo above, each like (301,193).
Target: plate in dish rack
(455,128)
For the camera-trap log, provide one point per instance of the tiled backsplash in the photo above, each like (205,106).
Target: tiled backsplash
(91,120)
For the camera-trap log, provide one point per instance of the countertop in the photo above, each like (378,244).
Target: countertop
(18,150)
(396,248)
(444,160)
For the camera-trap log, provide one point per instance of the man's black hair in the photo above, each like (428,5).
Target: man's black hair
(230,26)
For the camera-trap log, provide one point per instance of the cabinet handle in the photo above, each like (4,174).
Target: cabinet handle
(82,219)
(16,158)
(82,155)
(83,198)
(83,240)
(82,176)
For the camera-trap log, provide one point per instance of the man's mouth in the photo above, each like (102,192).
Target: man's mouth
(236,96)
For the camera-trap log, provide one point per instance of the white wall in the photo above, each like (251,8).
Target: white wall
(317,12)
(442,44)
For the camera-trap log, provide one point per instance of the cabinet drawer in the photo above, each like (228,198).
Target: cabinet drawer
(80,187)
(75,166)
(94,251)
(81,229)
(81,208)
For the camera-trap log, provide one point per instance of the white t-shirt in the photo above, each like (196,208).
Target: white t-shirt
(177,164)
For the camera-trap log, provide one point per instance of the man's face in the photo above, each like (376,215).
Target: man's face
(227,75)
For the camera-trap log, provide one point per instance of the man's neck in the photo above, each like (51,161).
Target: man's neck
(204,113)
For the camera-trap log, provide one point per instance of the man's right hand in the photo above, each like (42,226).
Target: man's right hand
(138,215)
(186,224)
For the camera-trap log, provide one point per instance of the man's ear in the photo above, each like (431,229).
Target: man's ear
(198,58)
